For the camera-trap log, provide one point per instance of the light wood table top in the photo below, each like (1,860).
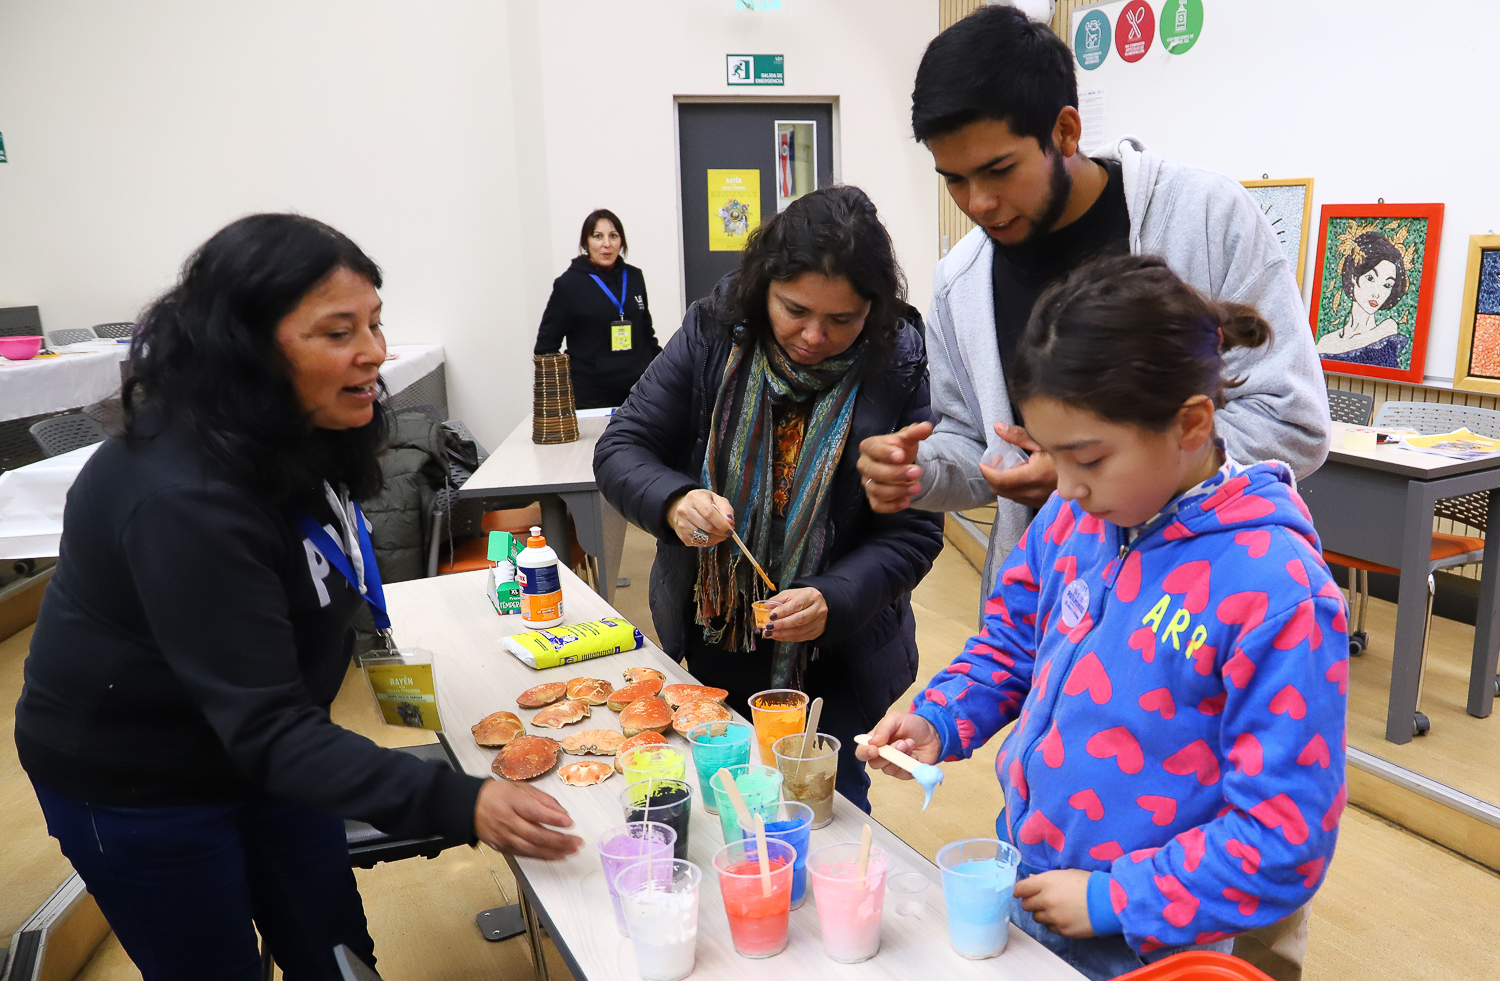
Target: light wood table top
(475,675)
(1400,460)
(520,466)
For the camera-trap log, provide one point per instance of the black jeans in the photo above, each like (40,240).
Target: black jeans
(185,888)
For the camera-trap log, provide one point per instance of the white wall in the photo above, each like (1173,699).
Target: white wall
(460,142)
(1371,98)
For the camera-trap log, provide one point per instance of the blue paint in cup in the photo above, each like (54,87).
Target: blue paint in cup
(793,825)
(979,877)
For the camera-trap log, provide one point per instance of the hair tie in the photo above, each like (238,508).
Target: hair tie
(1221,338)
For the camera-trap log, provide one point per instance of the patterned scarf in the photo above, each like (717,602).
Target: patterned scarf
(738,467)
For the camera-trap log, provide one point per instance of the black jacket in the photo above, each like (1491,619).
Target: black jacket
(653,450)
(578,312)
(188,649)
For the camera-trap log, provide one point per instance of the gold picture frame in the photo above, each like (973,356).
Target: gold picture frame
(1265,204)
(1481,310)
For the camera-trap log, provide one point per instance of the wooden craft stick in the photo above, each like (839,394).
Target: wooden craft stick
(897,757)
(765,578)
(741,812)
(813,714)
(765,859)
(865,838)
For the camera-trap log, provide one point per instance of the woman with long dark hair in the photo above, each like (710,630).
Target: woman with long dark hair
(174,720)
(751,419)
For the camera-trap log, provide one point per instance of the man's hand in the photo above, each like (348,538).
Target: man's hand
(509,817)
(1031,483)
(885,464)
(797,615)
(911,734)
(1059,901)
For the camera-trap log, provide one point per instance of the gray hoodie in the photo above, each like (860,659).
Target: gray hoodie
(1214,236)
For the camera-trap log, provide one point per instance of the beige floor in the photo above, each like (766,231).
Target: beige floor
(1394,905)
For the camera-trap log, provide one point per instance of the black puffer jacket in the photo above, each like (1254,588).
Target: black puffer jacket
(653,450)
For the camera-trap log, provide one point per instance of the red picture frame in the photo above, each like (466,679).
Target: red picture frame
(1365,233)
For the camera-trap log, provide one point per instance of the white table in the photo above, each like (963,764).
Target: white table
(411,362)
(84,373)
(449,616)
(561,477)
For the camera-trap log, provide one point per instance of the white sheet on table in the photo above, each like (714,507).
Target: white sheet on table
(31,388)
(414,361)
(31,504)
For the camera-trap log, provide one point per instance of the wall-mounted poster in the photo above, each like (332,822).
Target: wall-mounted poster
(1091,40)
(1372,288)
(1287,205)
(796,160)
(1478,366)
(733,208)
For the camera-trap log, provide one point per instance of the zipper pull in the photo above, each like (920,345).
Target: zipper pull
(1123,549)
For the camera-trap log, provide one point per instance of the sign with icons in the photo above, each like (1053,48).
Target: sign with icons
(1181,24)
(754,69)
(1134,30)
(1091,40)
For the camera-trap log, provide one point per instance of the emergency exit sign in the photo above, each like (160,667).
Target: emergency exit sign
(758,69)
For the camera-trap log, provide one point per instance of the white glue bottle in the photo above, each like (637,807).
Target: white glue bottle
(541,587)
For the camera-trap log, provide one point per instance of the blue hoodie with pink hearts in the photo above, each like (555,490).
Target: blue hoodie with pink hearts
(1179,692)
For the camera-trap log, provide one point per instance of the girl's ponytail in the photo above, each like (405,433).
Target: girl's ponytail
(1240,326)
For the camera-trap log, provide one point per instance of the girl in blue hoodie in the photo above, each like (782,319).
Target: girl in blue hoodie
(1165,637)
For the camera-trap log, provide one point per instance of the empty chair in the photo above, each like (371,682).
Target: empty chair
(70,335)
(118,329)
(63,434)
(1354,408)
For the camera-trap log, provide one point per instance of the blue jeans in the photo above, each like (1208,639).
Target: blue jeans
(1099,958)
(185,888)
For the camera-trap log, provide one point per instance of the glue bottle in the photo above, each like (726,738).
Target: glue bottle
(541,587)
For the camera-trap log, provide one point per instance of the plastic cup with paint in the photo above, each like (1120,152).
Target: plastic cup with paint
(792,825)
(809,775)
(777,712)
(757,910)
(762,610)
(667,762)
(909,892)
(660,899)
(849,904)
(668,802)
(717,745)
(979,875)
(760,786)
(626,844)
(1005,456)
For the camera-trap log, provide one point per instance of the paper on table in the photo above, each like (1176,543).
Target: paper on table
(1458,445)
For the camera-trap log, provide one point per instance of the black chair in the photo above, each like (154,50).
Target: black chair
(70,335)
(116,330)
(1354,408)
(63,434)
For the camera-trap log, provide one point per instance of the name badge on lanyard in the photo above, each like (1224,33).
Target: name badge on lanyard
(355,558)
(620,329)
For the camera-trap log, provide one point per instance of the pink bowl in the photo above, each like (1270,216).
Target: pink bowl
(20,348)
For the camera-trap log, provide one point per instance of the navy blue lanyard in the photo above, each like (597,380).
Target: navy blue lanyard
(618,301)
(323,542)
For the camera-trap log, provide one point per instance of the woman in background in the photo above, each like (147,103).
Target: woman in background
(598,305)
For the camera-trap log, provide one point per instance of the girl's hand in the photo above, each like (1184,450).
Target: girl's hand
(512,818)
(1059,901)
(911,734)
(797,614)
(701,518)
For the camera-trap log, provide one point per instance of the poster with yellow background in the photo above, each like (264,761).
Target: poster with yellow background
(733,208)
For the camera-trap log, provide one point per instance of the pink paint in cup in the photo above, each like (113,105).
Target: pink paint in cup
(849,904)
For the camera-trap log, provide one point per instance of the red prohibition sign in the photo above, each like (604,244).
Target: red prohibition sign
(1134,30)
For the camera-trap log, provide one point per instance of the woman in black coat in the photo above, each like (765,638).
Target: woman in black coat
(598,305)
(752,418)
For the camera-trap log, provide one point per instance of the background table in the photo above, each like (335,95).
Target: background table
(85,373)
(561,477)
(1377,506)
(450,617)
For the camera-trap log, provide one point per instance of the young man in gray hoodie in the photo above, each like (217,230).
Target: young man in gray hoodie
(996,102)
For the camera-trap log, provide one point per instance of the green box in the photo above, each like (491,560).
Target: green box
(501,586)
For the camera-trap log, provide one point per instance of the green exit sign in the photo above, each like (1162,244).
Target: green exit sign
(745,69)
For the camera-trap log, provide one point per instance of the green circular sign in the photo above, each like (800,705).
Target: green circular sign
(1091,40)
(1181,24)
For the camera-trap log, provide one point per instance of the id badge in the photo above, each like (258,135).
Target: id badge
(619,335)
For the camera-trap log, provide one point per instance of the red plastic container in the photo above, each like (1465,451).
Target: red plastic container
(1197,965)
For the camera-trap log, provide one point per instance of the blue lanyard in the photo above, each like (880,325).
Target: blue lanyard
(618,301)
(323,542)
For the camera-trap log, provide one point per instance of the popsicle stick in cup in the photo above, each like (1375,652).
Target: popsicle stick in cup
(765,859)
(865,838)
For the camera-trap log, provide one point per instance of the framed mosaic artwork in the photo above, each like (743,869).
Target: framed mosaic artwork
(1372,288)
(1478,366)
(1287,205)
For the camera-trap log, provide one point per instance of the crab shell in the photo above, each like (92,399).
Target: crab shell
(585,774)
(636,675)
(535,698)
(645,714)
(497,729)
(564,713)
(592,690)
(622,697)
(599,742)
(693,714)
(526,757)
(680,695)
(636,742)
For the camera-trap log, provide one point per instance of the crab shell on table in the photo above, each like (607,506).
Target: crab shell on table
(526,757)
(693,714)
(637,675)
(585,773)
(595,691)
(680,695)
(622,697)
(536,697)
(636,742)
(498,729)
(596,742)
(645,714)
(563,713)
